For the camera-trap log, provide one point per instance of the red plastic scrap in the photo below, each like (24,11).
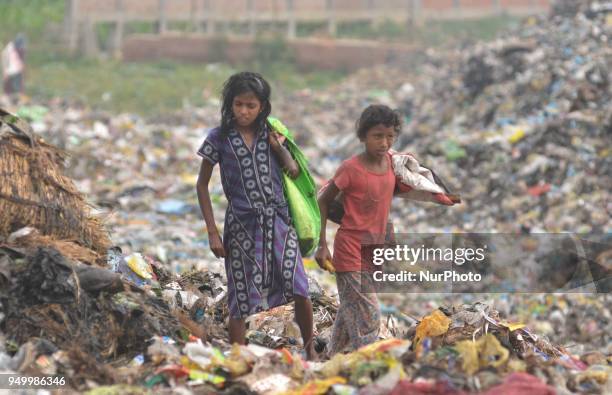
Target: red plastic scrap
(404,387)
(174,370)
(520,383)
(538,190)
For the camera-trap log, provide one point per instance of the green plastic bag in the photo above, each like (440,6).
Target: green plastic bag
(303,216)
(301,195)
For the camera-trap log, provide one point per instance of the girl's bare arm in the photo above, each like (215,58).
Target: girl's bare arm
(283,154)
(324,200)
(214,238)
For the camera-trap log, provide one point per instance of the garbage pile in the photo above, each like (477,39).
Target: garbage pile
(520,126)
(526,122)
(106,333)
(104,319)
(96,316)
(139,175)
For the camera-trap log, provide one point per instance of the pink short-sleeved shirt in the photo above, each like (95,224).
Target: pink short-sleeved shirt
(367,201)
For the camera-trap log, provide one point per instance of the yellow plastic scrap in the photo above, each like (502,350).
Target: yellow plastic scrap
(395,364)
(341,362)
(237,363)
(517,136)
(317,387)
(117,389)
(309,263)
(137,263)
(435,324)
(382,346)
(484,352)
(236,367)
(469,356)
(189,179)
(218,381)
(598,373)
(492,353)
(188,363)
(382,350)
(512,326)
(334,366)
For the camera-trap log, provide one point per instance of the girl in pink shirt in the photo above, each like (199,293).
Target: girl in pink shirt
(367,182)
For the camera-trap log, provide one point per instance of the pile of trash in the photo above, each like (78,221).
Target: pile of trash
(132,326)
(519,126)
(526,122)
(117,322)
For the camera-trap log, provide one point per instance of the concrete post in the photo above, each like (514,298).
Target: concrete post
(162,24)
(118,30)
(193,16)
(417,13)
(90,39)
(71,24)
(291,25)
(251,13)
(370,7)
(332,26)
(210,21)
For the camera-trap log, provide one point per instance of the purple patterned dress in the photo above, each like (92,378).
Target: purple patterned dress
(263,262)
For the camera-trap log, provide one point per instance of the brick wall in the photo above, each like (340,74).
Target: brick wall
(309,53)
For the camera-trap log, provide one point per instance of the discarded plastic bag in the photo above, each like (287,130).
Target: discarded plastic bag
(484,352)
(435,324)
(140,266)
(201,354)
(306,219)
(317,387)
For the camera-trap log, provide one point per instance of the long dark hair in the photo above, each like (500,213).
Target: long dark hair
(238,84)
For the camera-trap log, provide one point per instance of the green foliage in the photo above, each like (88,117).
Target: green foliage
(142,88)
(31,17)
(432,33)
(272,49)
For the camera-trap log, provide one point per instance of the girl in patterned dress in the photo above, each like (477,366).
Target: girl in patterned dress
(367,181)
(262,258)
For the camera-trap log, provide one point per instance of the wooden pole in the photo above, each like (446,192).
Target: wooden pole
(332,26)
(251,13)
(291,25)
(90,39)
(119,29)
(210,22)
(162,24)
(71,24)
(370,7)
